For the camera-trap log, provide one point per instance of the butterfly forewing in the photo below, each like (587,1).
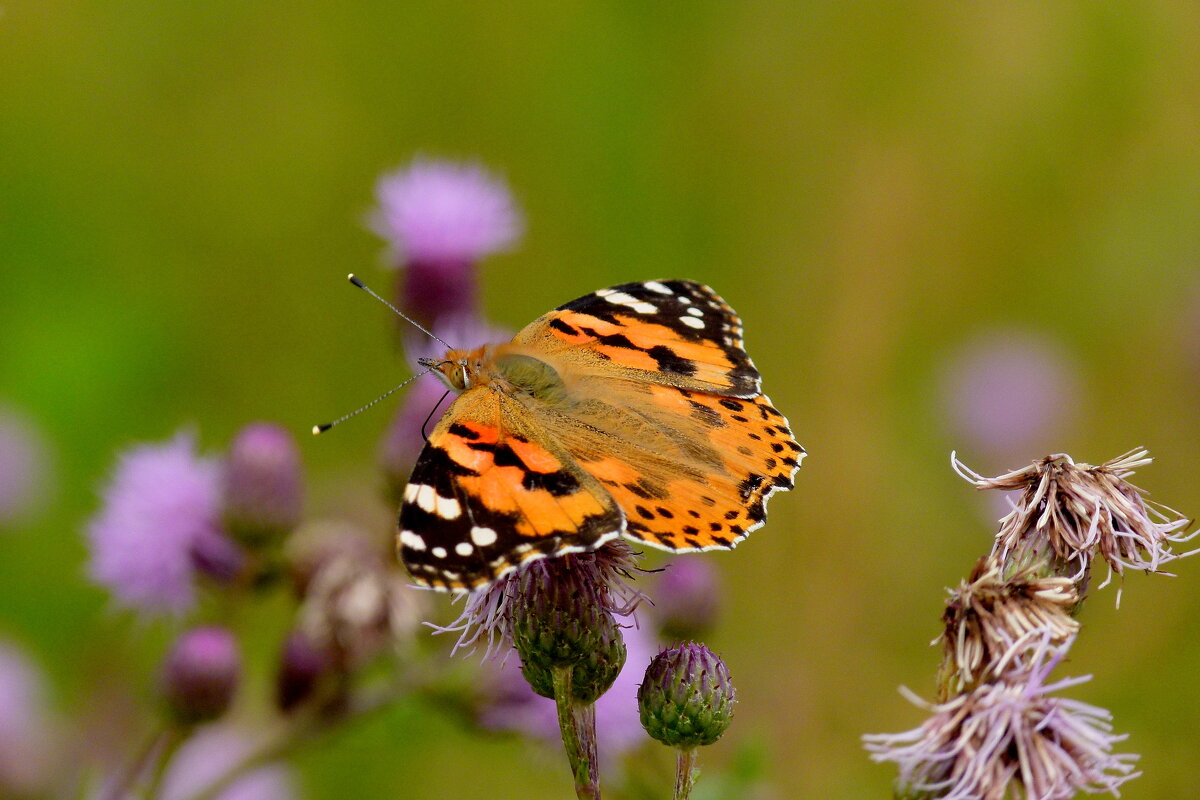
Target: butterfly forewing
(491,490)
(676,332)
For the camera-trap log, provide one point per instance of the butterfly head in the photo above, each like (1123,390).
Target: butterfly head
(458,369)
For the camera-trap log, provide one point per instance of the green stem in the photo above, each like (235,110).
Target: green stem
(686,772)
(577,724)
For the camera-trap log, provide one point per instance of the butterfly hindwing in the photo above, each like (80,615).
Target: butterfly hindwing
(491,490)
(676,332)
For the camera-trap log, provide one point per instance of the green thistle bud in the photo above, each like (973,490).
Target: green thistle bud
(558,620)
(687,697)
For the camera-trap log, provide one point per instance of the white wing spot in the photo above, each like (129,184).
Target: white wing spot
(692,322)
(604,292)
(447,507)
(410,492)
(411,540)
(695,312)
(643,308)
(425,497)
(483,537)
(464,548)
(655,286)
(440,552)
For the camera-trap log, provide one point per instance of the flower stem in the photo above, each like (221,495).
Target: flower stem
(686,772)
(577,724)
(172,737)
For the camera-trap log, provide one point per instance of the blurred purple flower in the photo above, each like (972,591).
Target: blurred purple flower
(439,211)
(158,526)
(263,487)
(26,741)
(687,599)
(209,755)
(24,472)
(201,674)
(439,218)
(510,705)
(1008,395)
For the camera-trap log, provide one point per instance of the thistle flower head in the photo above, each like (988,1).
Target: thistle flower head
(439,219)
(263,488)
(158,526)
(201,674)
(989,618)
(1013,733)
(686,699)
(603,574)
(354,607)
(443,212)
(688,601)
(1074,510)
(303,666)
(508,703)
(558,619)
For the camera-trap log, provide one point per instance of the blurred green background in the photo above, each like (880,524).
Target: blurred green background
(873,186)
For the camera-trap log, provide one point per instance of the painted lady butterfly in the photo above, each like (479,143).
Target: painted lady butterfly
(632,411)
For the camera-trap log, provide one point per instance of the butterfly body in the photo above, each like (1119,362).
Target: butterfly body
(633,411)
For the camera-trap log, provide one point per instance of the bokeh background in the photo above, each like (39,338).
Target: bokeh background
(971,226)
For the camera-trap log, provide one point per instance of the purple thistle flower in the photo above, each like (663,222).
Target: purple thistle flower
(201,674)
(210,754)
(687,599)
(24,472)
(510,705)
(26,741)
(263,487)
(1008,393)
(439,219)
(603,573)
(984,743)
(158,525)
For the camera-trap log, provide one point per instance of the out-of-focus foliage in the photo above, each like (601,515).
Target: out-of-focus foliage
(873,186)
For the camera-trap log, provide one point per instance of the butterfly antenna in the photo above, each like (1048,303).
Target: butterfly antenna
(357,282)
(319,429)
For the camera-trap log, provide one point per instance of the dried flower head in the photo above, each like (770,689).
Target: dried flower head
(158,526)
(1077,509)
(988,617)
(354,607)
(1007,740)
(603,574)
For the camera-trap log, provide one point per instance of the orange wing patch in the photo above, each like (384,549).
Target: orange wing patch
(491,490)
(759,454)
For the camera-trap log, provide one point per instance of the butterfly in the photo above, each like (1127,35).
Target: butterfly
(633,411)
